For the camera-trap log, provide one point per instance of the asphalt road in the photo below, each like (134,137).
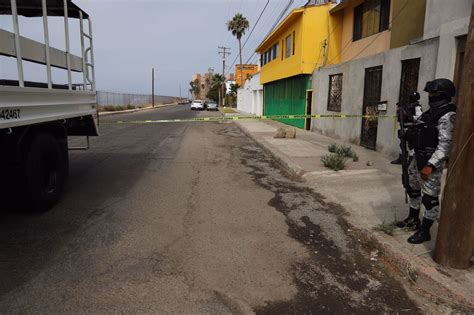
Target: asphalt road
(187,218)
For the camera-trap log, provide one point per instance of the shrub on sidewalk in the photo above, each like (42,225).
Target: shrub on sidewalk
(332,148)
(334,161)
(343,151)
(386,228)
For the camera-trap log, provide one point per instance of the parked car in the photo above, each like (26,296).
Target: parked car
(197,104)
(211,105)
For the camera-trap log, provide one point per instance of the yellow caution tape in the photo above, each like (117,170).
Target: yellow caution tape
(262,117)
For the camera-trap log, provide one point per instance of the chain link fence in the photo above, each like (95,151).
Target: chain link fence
(138,100)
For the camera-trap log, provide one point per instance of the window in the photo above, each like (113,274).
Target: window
(294,41)
(270,54)
(288,46)
(335,92)
(282,48)
(371,17)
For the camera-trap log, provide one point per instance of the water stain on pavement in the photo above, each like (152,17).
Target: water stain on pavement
(339,276)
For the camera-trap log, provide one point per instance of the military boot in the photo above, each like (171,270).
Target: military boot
(397,160)
(412,222)
(423,234)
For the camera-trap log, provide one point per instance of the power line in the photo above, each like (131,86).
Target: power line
(279,18)
(228,17)
(265,24)
(283,12)
(253,28)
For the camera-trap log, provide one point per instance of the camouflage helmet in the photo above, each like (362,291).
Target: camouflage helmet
(442,86)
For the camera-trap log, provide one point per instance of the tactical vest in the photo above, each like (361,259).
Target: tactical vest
(424,135)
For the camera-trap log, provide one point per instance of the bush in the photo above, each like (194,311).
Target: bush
(386,228)
(332,148)
(130,106)
(334,161)
(343,151)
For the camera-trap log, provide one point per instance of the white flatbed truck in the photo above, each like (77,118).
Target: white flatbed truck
(36,119)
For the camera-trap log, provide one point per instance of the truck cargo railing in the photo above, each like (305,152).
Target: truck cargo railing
(22,48)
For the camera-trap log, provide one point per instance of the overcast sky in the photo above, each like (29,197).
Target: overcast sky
(178,38)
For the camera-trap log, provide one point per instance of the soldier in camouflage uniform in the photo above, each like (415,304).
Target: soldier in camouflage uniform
(431,138)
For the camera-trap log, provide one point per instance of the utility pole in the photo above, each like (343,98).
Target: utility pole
(153,87)
(224,51)
(455,242)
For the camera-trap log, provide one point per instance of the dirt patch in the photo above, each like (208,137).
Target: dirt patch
(343,273)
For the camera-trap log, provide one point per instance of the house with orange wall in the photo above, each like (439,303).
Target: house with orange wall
(388,50)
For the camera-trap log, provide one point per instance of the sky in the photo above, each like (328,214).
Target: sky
(178,38)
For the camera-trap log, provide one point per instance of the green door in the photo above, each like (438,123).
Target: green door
(287,97)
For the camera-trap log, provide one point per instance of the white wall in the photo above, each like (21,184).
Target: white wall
(441,13)
(349,129)
(446,20)
(250,96)
(244,103)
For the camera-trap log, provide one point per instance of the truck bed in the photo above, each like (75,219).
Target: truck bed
(20,106)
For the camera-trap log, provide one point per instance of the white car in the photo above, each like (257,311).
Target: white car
(197,104)
(211,105)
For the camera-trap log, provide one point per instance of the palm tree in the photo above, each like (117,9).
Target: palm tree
(237,26)
(217,79)
(215,87)
(195,90)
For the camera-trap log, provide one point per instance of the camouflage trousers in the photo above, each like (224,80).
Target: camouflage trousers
(425,192)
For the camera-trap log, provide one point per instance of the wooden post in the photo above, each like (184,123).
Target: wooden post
(455,242)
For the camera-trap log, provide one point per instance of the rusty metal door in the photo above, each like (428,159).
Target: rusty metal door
(372,91)
(409,79)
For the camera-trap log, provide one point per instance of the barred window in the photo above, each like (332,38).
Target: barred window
(335,92)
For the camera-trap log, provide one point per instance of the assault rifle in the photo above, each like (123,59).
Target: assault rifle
(405,113)
(404,150)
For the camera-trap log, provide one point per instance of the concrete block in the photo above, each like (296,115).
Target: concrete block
(285,132)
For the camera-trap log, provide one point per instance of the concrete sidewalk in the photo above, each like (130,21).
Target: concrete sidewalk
(372,195)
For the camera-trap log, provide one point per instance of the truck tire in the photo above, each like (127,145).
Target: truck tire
(45,171)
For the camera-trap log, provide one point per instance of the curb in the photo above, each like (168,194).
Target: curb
(135,110)
(424,277)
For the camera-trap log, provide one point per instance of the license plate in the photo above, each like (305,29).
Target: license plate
(10,113)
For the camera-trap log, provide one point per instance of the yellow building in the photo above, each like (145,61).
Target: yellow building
(244,72)
(309,37)
(369,26)
(383,60)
